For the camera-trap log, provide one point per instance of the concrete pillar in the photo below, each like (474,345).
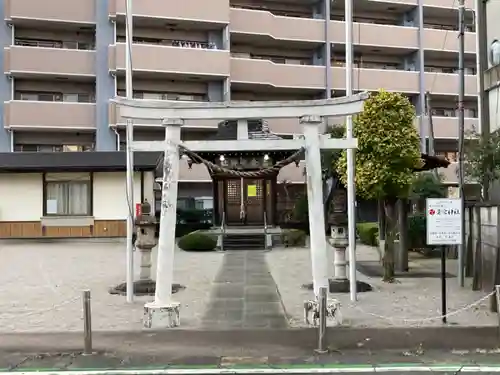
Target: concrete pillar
(319,248)
(164,312)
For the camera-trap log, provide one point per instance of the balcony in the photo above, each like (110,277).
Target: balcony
(266,24)
(450,174)
(265,72)
(391,36)
(21,60)
(49,115)
(214,11)
(447,127)
(197,173)
(447,84)
(375,79)
(67,11)
(116,120)
(433,40)
(403,81)
(172,60)
(370,34)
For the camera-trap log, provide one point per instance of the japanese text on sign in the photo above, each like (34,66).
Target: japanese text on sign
(444,221)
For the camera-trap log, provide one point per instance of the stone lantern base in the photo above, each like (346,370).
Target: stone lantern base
(343,286)
(142,288)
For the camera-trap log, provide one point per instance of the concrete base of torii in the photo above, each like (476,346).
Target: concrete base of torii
(162,315)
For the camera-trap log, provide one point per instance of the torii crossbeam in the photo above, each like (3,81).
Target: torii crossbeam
(163,312)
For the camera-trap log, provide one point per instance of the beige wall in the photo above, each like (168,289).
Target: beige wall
(22,198)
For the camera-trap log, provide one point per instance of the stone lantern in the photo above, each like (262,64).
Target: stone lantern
(339,239)
(337,220)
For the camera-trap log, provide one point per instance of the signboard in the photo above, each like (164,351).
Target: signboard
(444,221)
(251,190)
(138,210)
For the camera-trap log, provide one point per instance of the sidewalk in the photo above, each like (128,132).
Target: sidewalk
(345,362)
(254,343)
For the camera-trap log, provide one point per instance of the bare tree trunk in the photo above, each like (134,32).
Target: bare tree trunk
(391,225)
(402,251)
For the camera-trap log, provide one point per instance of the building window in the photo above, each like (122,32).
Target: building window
(54,97)
(53,148)
(67,194)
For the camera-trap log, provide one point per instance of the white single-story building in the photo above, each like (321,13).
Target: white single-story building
(70,194)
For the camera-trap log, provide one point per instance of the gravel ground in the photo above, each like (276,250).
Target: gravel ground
(405,303)
(41,284)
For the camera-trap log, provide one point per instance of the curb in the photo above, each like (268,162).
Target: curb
(249,369)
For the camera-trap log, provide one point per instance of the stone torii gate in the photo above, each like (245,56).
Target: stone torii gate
(164,312)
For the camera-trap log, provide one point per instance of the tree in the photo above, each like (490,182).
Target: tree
(388,151)
(482,158)
(426,185)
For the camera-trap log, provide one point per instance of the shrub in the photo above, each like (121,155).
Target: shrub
(293,237)
(197,241)
(417,231)
(368,233)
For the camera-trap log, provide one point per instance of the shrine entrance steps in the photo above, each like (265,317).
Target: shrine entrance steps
(244,294)
(244,241)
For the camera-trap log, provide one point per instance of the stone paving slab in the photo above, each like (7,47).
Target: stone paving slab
(244,294)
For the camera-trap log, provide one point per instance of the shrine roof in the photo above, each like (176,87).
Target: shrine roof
(429,162)
(102,161)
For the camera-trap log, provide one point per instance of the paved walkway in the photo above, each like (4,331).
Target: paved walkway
(244,294)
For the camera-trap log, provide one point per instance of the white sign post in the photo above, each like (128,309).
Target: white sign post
(444,227)
(444,221)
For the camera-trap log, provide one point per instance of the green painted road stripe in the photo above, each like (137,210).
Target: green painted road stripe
(249,370)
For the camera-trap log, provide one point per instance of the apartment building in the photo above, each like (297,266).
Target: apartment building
(65,59)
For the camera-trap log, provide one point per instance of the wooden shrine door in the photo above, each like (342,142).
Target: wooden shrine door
(244,201)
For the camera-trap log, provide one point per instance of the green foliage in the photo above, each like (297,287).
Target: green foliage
(197,241)
(293,237)
(301,210)
(427,185)
(368,233)
(388,147)
(417,231)
(329,158)
(482,157)
(417,235)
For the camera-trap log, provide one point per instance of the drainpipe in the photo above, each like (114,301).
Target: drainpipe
(328,52)
(12,142)
(117,138)
(421,63)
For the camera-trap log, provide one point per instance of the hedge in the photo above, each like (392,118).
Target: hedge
(368,233)
(197,241)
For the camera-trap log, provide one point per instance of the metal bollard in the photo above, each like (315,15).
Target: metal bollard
(497,294)
(323,295)
(87,324)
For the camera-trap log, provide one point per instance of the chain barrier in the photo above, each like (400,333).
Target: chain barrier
(214,168)
(424,320)
(52,308)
